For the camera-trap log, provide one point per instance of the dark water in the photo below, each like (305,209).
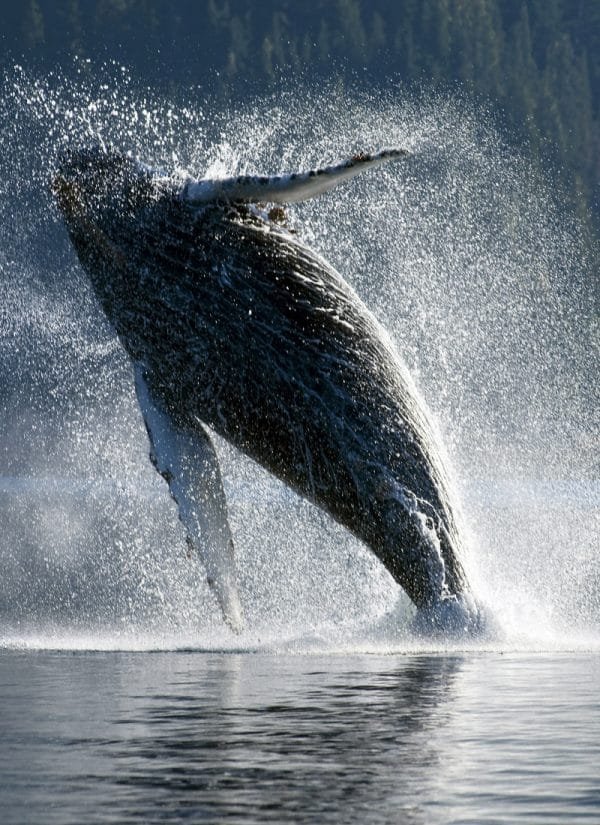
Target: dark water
(188,736)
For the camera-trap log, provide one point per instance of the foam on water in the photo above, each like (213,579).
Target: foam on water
(463,252)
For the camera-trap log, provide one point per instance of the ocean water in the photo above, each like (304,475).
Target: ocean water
(123,698)
(249,737)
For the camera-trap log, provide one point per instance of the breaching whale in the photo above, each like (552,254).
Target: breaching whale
(231,321)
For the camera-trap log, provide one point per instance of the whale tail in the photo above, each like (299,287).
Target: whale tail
(458,616)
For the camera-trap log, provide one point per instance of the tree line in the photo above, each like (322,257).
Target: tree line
(538,59)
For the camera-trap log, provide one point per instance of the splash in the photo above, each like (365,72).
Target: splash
(464,254)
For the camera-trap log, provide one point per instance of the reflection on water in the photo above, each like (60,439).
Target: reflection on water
(245,737)
(318,742)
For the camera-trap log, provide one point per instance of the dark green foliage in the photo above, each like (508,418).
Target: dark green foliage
(538,59)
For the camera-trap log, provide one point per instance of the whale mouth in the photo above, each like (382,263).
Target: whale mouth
(78,179)
(82,220)
(69,196)
(75,205)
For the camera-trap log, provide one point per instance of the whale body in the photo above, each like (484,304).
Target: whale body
(231,321)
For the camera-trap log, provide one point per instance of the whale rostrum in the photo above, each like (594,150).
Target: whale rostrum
(232,322)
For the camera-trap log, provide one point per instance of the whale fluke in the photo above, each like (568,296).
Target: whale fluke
(288,188)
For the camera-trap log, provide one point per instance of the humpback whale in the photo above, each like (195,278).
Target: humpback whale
(232,322)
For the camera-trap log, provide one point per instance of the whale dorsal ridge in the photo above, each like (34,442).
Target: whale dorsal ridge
(288,188)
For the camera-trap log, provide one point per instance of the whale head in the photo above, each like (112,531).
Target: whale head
(102,194)
(101,189)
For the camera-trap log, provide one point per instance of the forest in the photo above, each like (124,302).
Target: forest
(536,62)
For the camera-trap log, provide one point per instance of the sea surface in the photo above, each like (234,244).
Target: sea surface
(192,736)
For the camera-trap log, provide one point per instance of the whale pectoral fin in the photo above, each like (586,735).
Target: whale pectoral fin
(287,188)
(188,462)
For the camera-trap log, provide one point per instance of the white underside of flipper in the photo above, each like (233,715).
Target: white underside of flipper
(189,464)
(287,188)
